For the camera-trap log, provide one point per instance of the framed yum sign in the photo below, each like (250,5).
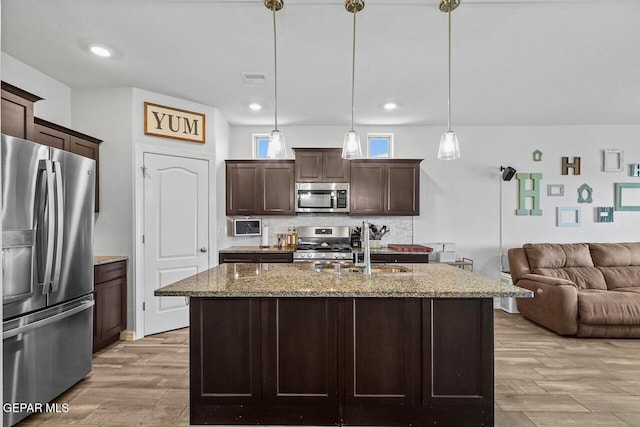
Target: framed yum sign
(168,122)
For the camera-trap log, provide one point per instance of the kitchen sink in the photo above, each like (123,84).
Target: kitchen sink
(379,270)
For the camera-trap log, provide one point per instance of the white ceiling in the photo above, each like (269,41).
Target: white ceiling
(515,62)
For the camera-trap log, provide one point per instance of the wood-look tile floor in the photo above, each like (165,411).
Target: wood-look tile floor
(541,379)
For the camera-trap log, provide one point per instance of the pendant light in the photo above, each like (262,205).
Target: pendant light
(449,149)
(351,148)
(276,149)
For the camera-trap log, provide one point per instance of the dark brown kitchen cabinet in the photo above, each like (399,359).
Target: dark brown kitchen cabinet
(341,361)
(385,187)
(260,187)
(403,258)
(321,165)
(17,111)
(110,309)
(252,257)
(57,136)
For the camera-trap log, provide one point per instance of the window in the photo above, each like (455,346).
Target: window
(380,145)
(260,145)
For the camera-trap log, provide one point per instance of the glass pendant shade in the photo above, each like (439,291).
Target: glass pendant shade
(351,148)
(276,149)
(449,149)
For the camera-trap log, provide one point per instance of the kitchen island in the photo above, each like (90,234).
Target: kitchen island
(412,344)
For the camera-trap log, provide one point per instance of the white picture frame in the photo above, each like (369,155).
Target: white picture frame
(568,216)
(555,190)
(612,160)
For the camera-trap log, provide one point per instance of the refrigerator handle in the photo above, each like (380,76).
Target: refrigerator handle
(45,224)
(59,225)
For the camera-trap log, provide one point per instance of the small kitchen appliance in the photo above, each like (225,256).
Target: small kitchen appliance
(322,197)
(318,244)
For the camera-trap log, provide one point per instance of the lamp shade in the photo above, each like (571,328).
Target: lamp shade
(351,148)
(449,149)
(276,148)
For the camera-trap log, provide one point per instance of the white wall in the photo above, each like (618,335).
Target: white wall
(116,115)
(460,199)
(107,114)
(56,105)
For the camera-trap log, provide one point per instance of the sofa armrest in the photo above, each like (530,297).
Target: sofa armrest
(554,305)
(548,280)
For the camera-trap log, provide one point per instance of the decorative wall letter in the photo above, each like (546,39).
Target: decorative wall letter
(534,193)
(569,217)
(575,165)
(584,194)
(537,156)
(635,169)
(604,214)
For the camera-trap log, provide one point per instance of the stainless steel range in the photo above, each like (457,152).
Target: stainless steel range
(323,244)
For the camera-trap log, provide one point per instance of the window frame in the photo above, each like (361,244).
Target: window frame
(254,146)
(388,136)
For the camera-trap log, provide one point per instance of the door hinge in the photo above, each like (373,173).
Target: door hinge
(144,306)
(144,171)
(143,238)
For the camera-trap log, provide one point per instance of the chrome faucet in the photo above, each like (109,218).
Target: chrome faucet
(367,248)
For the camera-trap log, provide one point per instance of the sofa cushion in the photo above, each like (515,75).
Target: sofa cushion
(615,254)
(619,263)
(558,255)
(597,307)
(566,261)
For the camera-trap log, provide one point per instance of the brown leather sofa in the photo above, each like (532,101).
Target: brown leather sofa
(584,289)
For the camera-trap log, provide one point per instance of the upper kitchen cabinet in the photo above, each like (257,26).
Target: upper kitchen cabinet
(321,165)
(57,136)
(385,187)
(17,111)
(260,187)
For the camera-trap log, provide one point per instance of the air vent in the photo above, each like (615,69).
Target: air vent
(254,79)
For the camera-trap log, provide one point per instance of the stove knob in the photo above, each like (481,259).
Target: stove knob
(323,255)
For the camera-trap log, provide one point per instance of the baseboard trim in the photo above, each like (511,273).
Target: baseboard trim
(127,336)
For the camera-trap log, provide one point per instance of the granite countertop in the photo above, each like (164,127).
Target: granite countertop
(302,280)
(257,249)
(106,259)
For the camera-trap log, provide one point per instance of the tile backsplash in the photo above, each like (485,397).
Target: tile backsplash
(401,227)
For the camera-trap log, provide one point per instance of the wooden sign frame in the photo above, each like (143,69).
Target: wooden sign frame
(160,121)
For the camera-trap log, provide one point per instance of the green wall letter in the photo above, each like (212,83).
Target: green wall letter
(533,193)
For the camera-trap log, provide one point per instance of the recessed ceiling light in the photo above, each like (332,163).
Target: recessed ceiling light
(100,51)
(390,106)
(255,106)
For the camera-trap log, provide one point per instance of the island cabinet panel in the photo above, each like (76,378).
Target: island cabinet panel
(341,361)
(300,359)
(260,187)
(321,165)
(458,358)
(224,359)
(382,359)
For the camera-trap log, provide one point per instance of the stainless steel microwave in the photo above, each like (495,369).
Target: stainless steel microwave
(322,197)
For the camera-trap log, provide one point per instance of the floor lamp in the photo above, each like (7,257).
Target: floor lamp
(507,174)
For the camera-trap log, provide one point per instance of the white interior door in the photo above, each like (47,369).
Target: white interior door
(176,228)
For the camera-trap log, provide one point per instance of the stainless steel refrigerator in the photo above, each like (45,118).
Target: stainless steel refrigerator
(47,267)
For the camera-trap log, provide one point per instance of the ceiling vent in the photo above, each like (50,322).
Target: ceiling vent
(254,79)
